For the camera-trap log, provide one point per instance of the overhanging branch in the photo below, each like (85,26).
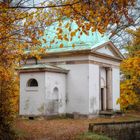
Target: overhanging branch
(42,7)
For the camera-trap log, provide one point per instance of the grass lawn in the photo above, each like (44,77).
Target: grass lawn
(91,136)
(63,129)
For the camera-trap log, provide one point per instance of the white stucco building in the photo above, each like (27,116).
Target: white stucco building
(84,79)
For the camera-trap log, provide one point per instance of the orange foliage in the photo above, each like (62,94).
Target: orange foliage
(130,87)
(16,35)
(98,13)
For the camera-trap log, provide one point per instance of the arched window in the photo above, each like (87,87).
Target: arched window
(32,83)
(55,93)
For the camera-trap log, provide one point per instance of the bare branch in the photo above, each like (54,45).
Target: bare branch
(43,7)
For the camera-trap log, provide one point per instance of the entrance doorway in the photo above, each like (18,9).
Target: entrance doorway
(105,88)
(103,82)
(102,99)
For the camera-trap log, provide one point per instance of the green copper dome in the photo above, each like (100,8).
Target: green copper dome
(81,42)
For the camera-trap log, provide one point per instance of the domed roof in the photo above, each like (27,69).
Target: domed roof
(81,42)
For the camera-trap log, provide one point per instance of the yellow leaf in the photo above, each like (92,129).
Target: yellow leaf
(59,30)
(67,25)
(40,32)
(61,45)
(52,42)
(73,45)
(73,33)
(60,37)
(44,40)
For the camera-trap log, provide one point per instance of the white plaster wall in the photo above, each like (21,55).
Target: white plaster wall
(77,88)
(63,58)
(93,89)
(103,77)
(105,61)
(116,87)
(32,98)
(57,80)
(74,58)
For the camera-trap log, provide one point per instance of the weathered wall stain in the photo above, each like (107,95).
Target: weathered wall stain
(60,103)
(52,107)
(41,109)
(26,107)
(93,103)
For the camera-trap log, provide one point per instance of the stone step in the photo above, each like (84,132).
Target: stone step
(106,113)
(110,113)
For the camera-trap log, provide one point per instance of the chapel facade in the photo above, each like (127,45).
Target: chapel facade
(84,79)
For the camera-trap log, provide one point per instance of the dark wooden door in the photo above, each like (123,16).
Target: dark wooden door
(102,99)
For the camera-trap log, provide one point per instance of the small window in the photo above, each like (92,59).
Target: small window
(55,90)
(55,93)
(32,83)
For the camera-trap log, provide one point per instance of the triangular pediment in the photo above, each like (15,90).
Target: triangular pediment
(105,50)
(108,49)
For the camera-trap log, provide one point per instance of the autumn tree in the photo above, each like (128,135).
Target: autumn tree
(130,86)
(22,25)
(18,31)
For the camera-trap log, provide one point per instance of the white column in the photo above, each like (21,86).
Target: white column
(109,88)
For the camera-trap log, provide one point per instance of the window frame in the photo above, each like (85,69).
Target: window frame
(32,83)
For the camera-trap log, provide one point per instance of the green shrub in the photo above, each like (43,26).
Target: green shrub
(91,136)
